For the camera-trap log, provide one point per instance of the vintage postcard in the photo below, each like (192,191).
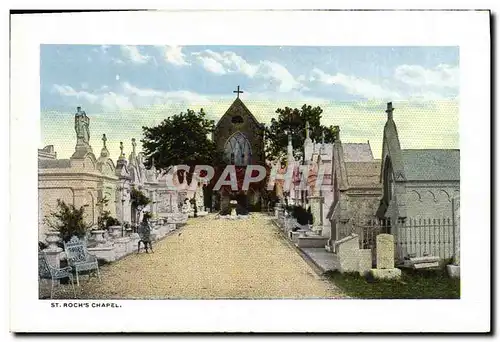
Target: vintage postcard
(294,173)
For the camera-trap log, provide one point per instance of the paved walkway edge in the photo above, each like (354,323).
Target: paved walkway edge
(310,261)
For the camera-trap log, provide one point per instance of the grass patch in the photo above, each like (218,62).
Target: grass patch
(421,284)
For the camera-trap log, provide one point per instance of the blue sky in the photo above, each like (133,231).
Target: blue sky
(124,87)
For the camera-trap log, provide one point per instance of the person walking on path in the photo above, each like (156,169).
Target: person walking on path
(145,233)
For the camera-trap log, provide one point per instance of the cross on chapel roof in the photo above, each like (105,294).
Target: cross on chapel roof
(238,92)
(104,151)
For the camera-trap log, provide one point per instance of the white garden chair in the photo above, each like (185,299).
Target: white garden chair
(79,258)
(47,271)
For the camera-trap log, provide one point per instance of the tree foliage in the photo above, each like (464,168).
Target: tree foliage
(105,219)
(138,200)
(294,121)
(180,139)
(68,221)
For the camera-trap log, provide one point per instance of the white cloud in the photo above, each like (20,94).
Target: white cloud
(173,55)
(212,65)
(410,82)
(112,102)
(68,91)
(127,97)
(442,76)
(229,62)
(109,101)
(276,72)
(133,54)
(234,63)
(354,85)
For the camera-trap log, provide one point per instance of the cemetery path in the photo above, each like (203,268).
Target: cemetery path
(211,258)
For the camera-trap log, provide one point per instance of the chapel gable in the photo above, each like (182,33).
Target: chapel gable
(239,128)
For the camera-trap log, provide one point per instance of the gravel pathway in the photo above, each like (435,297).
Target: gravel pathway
(213,258)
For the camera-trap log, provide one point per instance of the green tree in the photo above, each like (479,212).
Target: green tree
(180,139)
(294,121)
(138,201)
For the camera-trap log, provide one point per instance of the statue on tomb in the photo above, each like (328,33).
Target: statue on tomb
(312,178)
(186,208)
(280,183)
(200,200)
(82,122)
(142,167)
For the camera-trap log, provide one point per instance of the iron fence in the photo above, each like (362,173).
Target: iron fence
(412,237)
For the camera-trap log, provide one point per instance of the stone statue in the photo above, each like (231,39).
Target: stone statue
(142,167)
(280,183)
(82,122)
(199,197)
(186,206)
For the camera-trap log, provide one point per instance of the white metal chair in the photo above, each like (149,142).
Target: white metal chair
(47,271)
(79,258)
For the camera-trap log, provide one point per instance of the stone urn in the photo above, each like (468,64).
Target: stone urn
(115,231)
(97,236)
(52,238)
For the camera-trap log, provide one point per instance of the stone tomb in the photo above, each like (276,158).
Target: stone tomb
(351,258)
(385,258)
(422,262)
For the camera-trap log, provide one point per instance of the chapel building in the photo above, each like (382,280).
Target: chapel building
(239,139)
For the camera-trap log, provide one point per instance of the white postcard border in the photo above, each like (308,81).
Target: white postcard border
(468,30)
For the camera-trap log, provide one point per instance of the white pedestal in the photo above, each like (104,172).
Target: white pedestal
(453,271)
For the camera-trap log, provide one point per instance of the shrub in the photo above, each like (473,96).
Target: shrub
(106,220)
(138,201)
(68,221)
(302,215)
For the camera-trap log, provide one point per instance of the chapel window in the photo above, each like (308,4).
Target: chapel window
(237,150)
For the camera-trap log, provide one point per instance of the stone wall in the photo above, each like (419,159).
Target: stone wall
(430,200)
(47,201)
(361,207)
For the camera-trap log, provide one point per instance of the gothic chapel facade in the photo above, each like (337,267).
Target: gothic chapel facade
(239,137)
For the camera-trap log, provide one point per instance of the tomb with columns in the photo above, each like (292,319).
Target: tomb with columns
(102,185)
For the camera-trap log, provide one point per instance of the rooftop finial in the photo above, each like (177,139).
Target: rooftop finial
(322,148)
(389,110)
(122,155)
(336,133)
(134,144)
(104,151)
